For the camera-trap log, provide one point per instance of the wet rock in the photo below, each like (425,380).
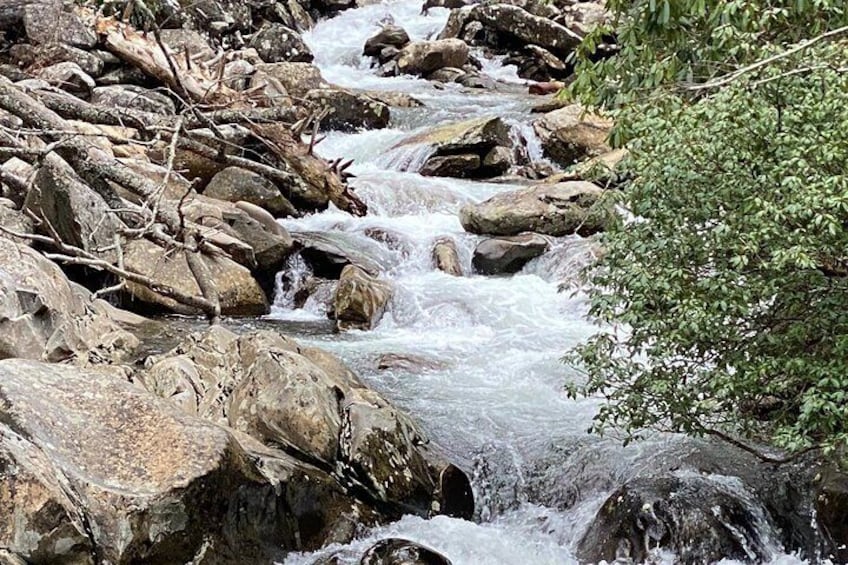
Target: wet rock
(104,468)
(423,57)
(458,166)
(42,316)
(446,74)
(349,110)
(446,258)
(49,22)
(296,78)
(26,55)
(571,134)
(134,98)
(396,551)
(550,209)
(69,77)
(700,518)
(449,4)
(461,148)
(328,253)
(234,184)
(508,254)
(394,99)
(276,43)
(389,36)
(360,299)
(831,508)
(239,293)
(408,363)
(497,161)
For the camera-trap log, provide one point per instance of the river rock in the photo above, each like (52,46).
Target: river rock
(551,209)
(134,98)
(423,57)
(69,77)
(239,293)
(349,110)
(50,22)
(396,551)
(455,145)
(571,134)
(446,257)
(389,36)
(457,166)
(831,508)
(43,316)
(26,55)
(14,220)
(296,78)
(508,254)
(79,215)
(182,40)
(327,253)
(234,184)
(276,42)
(700,519)
(308,402)
(104,468)
(20,171)
(360,300)
(408,362)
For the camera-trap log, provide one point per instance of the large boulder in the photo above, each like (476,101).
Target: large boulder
(507,25)
(508,254)
(551,209)
(26,55)
(238,292)
(464,149)
(276,43)
(97,470)
(701,518)
(44,316)
(348,110)
(360,299)
(235,184)
(309,403)
(572,134)
(423,57)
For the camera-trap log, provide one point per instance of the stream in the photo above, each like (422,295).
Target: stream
(489,388)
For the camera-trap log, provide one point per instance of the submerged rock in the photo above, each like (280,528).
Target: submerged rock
(396,551)
(550,209)
(360,299)
(508,254)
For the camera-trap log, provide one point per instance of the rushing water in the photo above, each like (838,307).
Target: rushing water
(490,386)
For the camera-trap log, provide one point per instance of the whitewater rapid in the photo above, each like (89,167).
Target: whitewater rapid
(491,390)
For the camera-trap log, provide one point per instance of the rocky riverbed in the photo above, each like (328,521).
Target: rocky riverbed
(396,208)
